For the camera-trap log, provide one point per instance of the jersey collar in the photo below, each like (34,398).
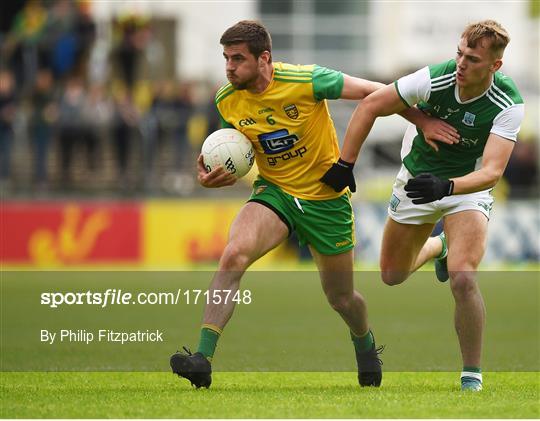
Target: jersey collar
(456,93)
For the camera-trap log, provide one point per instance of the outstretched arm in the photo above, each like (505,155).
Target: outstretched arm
(382,102)
(357,88)
(434,129)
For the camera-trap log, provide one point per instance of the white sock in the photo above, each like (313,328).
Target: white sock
(477,376)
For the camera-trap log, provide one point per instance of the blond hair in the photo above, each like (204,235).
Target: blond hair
(491,30)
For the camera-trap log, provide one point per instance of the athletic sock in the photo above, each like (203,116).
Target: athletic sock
(208,341)
(363,343)
(444,251)
(472,372)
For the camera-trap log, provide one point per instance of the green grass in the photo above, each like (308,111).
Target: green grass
(267,360)
(288,316)
(265,395)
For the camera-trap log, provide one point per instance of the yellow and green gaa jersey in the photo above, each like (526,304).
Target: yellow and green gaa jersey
(290,127)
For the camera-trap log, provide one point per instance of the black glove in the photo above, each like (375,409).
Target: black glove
(425,188)
(339,176)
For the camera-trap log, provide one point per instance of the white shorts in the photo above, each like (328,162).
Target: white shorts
(401,208)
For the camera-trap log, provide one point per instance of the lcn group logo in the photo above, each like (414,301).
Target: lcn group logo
(277,142)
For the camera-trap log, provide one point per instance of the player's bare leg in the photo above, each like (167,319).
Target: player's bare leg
(466,234)
(255,231)
(336,273)
(430,250)
(402,250)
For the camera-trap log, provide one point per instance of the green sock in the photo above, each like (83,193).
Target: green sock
(208,341)
(472,369)
(444,251)
(363,343)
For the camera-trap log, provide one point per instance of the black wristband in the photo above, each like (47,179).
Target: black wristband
(450,188)
(345,164)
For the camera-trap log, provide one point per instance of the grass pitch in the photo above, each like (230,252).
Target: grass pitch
(265,395)
(285,355)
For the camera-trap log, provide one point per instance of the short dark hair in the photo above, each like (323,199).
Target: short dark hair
(491,30)
(252,32)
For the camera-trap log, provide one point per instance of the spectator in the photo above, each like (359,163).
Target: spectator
(61,38)
(24,48)
(70,124)
(165,109)
(85,32)
(183,108)
(96,120)
(132,38)
(7,117)
(125,121)
(43,116)
(149,135)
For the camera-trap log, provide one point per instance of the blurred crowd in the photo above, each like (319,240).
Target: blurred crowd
(77,114)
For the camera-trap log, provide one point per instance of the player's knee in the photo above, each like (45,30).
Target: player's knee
(234,258)
(392,277)
(463,283)
(340,302)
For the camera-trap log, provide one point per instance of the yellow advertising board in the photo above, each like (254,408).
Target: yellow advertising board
(192,232)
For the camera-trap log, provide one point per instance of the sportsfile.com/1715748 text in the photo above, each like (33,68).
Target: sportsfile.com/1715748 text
(121,297)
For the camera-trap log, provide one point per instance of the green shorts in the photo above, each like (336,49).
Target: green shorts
(327,225)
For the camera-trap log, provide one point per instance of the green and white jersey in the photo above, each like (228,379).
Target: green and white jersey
(498,110)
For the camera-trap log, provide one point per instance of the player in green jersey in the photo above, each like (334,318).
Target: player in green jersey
(449,181)
(287,196)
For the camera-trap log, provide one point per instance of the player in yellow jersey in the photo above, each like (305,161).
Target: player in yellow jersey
(294,135)
(282,108)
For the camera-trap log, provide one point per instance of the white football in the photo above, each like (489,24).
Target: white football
(230,149)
